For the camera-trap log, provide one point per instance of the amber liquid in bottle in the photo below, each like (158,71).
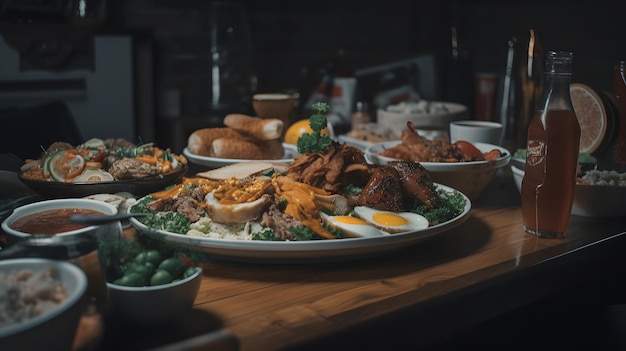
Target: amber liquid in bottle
(550,176)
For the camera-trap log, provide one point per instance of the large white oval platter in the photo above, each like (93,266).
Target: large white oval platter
(307,251)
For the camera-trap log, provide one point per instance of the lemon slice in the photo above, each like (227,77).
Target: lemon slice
(591,114)
(64,166)
(93,176)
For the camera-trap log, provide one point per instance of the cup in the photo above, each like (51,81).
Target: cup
(274,105)
(476,131)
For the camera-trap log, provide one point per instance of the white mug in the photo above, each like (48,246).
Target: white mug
(476,131)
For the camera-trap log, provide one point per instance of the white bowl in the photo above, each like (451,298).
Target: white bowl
(55,329)
(103,231)
(396,121)
(470,178)
(154,304)
(589,200)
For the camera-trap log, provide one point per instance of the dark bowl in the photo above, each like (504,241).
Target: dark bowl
(137,187)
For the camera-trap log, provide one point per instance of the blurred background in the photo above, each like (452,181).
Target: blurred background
(157,70)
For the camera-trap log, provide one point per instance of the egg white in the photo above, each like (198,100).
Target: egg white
(392,222)
(353,227)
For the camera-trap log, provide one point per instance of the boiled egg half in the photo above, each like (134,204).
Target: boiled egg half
(391,222)
(351,226)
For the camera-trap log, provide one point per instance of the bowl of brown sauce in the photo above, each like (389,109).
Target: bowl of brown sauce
(51,217)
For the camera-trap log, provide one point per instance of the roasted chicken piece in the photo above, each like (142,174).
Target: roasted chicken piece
(416,183)
(383,191)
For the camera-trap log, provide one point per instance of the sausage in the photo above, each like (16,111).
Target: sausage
(255,127)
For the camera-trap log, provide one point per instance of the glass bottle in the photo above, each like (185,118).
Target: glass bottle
(551,153)
(619,89)
(531,81)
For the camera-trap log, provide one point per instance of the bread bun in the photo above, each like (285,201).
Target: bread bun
(255,127)
(200,141)
(235,148)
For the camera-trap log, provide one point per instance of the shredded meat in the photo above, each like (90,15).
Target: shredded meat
(186,204)
(279,222)
(130,168)
(331,170)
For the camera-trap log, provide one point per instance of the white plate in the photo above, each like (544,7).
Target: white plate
(308,251)
(361,144)
(372,154)
(291,152)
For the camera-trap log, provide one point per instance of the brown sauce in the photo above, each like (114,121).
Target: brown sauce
(52,221)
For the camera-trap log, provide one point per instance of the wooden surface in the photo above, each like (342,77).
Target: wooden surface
(462,276)
(483,268)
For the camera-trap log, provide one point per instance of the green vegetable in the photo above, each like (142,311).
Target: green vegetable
(302,233)
(169,221)
(150,256)
(189,272)
(316,141)
(174,265)
(131,279)
(161,276)
(453,205)
(265,235)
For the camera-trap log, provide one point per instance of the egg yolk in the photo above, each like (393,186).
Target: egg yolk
(349,220)
(389,219)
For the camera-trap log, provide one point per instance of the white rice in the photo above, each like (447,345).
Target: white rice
(607,178)
(25,294)
(206,228)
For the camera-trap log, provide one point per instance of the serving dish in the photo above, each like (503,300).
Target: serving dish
(55,327)
(306,251)
(589,200)
(137,187)
(470,178)
(291,152)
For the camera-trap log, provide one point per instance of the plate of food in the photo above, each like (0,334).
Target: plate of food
(290,152)
(102,166)
(244,138)
(467,167)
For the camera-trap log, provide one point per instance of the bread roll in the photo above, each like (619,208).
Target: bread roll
(246,149)
(199,142)
(255,127)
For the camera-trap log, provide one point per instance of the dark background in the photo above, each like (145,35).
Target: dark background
(293,41)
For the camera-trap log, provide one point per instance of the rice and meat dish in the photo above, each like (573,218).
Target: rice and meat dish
(25,294)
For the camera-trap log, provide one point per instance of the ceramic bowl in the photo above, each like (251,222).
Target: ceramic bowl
(56,327)
(101,232)
(397,120)
(470,178)
(154,304)
(589,200)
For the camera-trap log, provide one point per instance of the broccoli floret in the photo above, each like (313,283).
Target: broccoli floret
(266,234)
(316,141)
(453,204)
(302,233)
(169,221)
(141,205)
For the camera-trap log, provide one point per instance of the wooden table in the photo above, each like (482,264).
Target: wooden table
(481,269)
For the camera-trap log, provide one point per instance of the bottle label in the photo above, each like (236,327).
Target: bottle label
(535,152)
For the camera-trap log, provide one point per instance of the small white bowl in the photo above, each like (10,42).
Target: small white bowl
(154,304)
(589,200)
(396,121)
(104,231)
(470,178)
(56,328)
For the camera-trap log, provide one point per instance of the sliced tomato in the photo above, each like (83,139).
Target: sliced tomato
(468,148)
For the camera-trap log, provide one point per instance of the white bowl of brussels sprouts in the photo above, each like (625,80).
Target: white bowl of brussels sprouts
(151,286)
